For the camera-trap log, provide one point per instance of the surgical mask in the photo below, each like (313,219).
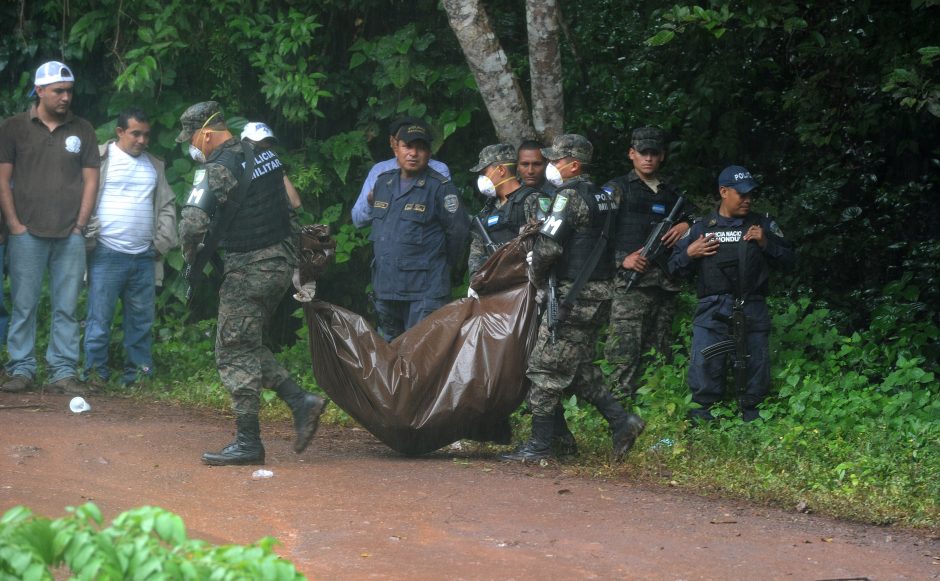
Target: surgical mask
(553,175)
(196,154)
(486,186)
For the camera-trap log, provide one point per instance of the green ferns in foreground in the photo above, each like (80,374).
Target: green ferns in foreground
(142,543)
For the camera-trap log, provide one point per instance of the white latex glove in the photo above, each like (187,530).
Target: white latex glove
(306,292)
(528,258)
(472,294)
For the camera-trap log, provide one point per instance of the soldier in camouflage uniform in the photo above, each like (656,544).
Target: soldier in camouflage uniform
(568,243)
(509,207)
(641,318)
(259,259)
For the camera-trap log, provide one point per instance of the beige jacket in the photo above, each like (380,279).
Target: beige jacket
(165,237)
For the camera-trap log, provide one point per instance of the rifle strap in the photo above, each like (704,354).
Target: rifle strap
(226,215)
(586,270)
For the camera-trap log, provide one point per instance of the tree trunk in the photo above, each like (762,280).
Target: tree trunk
(548,103)
(499,88)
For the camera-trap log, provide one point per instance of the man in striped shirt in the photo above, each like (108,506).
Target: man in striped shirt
(137,215)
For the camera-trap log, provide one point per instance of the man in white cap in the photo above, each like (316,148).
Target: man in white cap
(51,157)
(261,135)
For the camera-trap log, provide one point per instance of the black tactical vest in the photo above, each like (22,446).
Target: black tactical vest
(719,273)
(640,209)
(503,223)
(582,242)
(264,218)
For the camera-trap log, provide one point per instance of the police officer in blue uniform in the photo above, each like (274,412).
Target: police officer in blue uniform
(419,233)
(730,253)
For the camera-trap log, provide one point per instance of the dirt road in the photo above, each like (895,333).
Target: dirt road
(349,508)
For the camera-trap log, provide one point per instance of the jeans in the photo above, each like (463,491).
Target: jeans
(396,317)
(130,277)
(30,256)
(4,313)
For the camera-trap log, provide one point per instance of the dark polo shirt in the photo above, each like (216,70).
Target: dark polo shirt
(47,170)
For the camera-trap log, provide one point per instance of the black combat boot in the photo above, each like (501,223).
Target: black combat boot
(539,445)
(247,447)
(625,426)
(306,409)
(563,440)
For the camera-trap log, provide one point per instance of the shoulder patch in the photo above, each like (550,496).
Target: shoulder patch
(451,203)
(199,176)
(545,204)
(560,203)
(776,229)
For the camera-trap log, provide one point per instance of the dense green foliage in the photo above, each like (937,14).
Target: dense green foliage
(852,428)
(836,106)
(142,543)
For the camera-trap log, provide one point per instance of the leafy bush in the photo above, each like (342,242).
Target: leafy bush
(850,429)
(142,543)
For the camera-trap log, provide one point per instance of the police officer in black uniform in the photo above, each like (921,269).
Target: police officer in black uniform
(731,252)
(419,234)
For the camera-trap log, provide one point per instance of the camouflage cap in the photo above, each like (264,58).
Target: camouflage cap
(499,153)
(647,138)
(570,145)
(197,117)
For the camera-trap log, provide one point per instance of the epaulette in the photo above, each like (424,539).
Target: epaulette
(394,170)
(437,175)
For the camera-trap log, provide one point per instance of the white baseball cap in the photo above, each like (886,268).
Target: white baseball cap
(53,72)
(257,131)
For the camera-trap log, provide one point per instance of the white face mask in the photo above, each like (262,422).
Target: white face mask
(553,175)
(486,186)
(196,154)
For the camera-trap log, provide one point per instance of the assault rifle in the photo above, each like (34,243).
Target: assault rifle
(195,273)
(737,345)
(491,246)
(654,244)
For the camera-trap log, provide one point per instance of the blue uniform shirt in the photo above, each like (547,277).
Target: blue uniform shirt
(417,235)
(361,211)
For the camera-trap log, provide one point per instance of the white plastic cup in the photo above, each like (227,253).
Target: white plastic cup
(79,405)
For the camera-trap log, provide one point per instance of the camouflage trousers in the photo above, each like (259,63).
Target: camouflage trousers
(567,364)
(247,300)
(640,320)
